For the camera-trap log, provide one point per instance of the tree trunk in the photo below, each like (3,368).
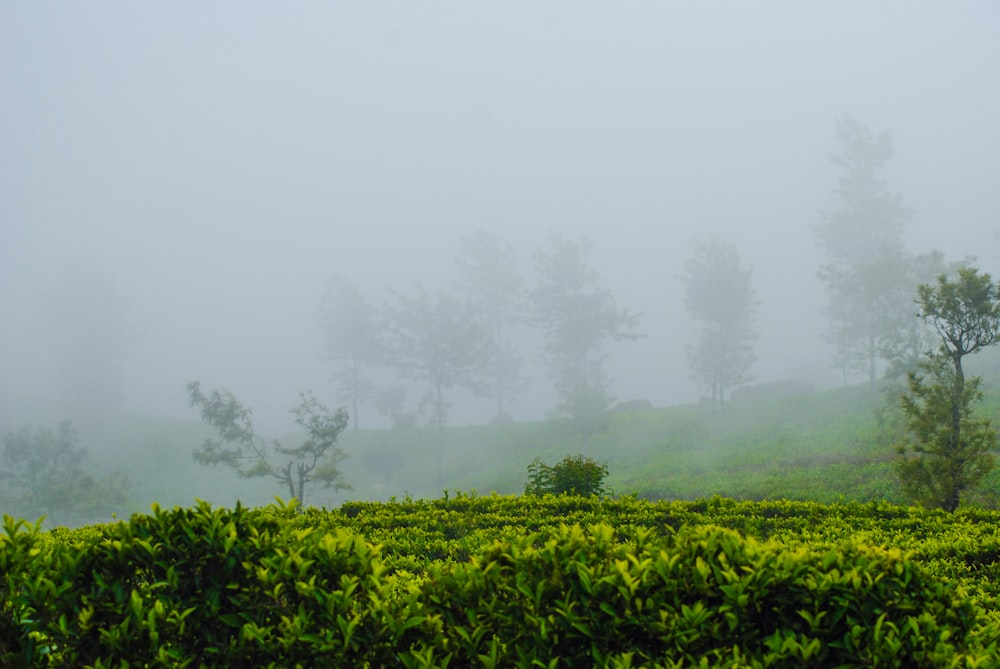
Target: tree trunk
(871,360)
(303,472)
(290,481)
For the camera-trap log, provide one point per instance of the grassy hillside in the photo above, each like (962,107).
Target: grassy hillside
(823,446)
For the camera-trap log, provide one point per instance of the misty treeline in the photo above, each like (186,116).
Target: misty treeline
(506,314)
(508,318)
(467,337)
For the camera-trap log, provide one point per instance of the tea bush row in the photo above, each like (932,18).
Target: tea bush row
(497,581)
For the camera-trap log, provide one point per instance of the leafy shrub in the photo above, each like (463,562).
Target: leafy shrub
(502,581)
(573,475)
(706,597)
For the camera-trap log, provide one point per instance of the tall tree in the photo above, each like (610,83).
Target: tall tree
(352,342)
(720,296)
(489,275)
(250,455)
(948,450)
(862,241)
(577,317)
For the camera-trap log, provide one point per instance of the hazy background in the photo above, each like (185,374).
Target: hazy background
(212,165)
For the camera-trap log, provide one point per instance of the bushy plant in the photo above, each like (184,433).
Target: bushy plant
(573,475)
(507,581)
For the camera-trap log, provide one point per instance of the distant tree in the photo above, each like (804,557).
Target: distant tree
(242,449)
(46,473)
(489,275)
(908,336)
(720,297)
(948,450)
(437,341)
(352,342)
(573,475)
(862,241)
(576,318)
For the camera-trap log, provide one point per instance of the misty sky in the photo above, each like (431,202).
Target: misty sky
(218,162)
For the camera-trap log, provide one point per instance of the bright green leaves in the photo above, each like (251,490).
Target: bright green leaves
(573,475)
(615,587)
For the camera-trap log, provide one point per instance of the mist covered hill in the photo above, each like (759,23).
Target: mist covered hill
(822,446)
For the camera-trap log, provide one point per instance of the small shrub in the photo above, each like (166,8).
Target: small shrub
(573,475)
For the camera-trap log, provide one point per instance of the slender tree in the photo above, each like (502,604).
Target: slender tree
(490,276)
(352,342)
(947,449)
(438,342)
(240,448)
(719,295)
(577,317)
(862,241)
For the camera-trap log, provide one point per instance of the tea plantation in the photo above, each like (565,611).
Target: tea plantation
(504,581)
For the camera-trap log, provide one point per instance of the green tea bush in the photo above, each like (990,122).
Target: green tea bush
(200,587)
(706,597)
(514,582)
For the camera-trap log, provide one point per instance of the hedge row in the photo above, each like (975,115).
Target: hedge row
(272,587)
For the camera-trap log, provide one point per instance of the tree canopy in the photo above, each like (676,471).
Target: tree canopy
(240,448)
(948,449)
(576,317)
(719,295)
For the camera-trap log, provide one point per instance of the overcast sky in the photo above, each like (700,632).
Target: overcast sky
(220,161)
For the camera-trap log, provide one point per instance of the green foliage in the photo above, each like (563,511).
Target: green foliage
(965,311)
(704,595)
(241,449)
(949,450)
(938,463)
(504,581)
(46,473)
(573,475)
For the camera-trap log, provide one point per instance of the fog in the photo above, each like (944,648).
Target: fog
(213,165)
